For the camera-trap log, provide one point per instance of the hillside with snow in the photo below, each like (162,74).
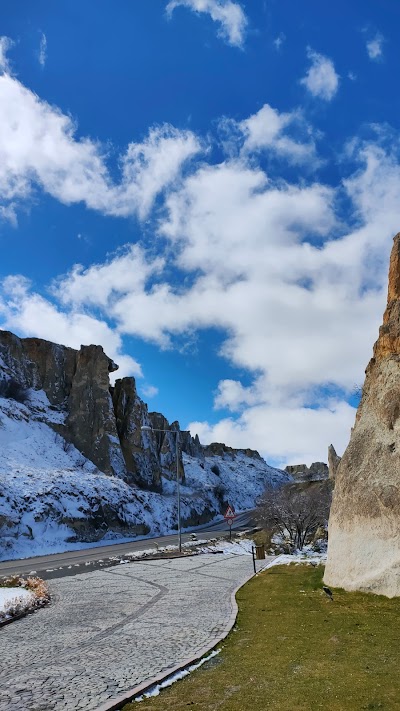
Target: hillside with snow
(54,497)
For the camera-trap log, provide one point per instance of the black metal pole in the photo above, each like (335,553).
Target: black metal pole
(254,560)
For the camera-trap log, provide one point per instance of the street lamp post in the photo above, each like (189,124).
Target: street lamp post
(147,428)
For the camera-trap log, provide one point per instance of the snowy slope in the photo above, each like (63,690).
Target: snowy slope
(240,481)
(52,498)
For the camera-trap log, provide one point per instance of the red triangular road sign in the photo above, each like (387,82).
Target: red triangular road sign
(229,513)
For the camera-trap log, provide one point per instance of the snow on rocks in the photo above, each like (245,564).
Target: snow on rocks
(54,499)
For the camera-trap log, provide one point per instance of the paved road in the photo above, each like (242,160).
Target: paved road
(46,565)
(109,630)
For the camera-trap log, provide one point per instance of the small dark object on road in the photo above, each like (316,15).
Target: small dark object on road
(328,592)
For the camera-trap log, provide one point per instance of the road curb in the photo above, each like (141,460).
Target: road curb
(139,689)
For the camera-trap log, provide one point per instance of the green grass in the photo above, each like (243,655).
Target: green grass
(295,650)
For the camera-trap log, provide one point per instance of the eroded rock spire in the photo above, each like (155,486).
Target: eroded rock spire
(364,526)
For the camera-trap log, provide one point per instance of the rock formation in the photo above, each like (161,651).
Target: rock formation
(333,461)
(222,450)
(102,422)
(91,422)
(301,472)
(75,464)
(138,448)
(364,526)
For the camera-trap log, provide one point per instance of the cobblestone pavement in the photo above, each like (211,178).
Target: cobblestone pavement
(111,629)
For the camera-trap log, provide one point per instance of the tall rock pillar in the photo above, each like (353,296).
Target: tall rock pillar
(364,526)
(91,421)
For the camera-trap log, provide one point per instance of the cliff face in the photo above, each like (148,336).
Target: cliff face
(76,466)
(364,526)
(138,448)
(301,472)
(102,422)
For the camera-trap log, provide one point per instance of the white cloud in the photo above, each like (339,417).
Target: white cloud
(300,302)
(321,79)
(289,435)
(5,44)
(42,56)
(375,47)
(269,129)
(38,148)
(102,284)
(149,390)
(29,314)
(229,15)
(298,294)
(279,40)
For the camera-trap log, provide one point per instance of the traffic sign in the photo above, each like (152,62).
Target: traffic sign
(229,513)
(229,521)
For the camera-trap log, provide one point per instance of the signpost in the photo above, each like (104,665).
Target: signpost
(229,517)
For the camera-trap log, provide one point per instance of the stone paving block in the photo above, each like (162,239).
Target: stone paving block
(108,630)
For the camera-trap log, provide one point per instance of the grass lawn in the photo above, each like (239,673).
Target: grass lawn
(295,650)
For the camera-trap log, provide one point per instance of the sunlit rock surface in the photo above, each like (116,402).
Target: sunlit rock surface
(364,527)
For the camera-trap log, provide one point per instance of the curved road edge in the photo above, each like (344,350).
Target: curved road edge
(145,686)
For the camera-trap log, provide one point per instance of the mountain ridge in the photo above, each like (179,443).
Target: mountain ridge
(93,449)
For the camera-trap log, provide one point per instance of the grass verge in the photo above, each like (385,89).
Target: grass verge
(295,650)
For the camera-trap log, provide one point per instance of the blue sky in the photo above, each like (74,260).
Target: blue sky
(209,189)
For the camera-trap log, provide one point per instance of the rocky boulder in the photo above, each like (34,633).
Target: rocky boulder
(364,526)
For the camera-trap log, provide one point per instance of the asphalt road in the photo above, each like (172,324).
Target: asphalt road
(71,562)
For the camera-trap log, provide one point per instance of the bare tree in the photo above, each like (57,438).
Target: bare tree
(295,511)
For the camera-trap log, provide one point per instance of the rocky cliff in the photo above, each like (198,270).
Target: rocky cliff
(364,526)
(102,422)
(333,461)
(301,472)
(75,464)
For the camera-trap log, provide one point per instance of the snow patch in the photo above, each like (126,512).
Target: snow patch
(14,601)
(53,499)
(155,690)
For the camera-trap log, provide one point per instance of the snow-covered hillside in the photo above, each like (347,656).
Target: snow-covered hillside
(83,461)
(52,498)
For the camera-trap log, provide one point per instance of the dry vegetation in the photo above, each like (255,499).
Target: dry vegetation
(295,650)
(16,607)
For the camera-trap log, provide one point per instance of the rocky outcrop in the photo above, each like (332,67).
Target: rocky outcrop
(364,526)
(39,364)
(77,382)
(301,472)
(165,442)
(138,447)
(76,464)
(91,422)
(222,450)
(102,422)
(191,445)
(333,461)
